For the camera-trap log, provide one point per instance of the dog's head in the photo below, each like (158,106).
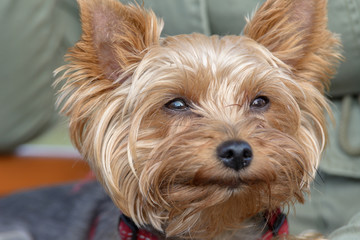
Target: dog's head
(193,134)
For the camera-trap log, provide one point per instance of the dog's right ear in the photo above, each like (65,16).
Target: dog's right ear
(115,37)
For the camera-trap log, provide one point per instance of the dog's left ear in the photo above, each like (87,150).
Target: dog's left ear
(296,32)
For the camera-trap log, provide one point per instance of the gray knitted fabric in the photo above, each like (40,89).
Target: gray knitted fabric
(64,212)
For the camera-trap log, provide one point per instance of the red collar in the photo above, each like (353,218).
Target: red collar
(276,222)
(129,231)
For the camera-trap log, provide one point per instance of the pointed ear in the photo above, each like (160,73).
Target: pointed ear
(115,36)
(296,32)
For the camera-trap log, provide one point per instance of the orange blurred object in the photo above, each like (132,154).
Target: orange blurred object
(26,172)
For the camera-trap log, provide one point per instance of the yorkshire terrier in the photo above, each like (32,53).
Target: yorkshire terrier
(197,137)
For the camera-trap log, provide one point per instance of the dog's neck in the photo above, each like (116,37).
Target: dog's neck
(254,230)
(262,226)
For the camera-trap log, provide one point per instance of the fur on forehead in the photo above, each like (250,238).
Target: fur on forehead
(198,52)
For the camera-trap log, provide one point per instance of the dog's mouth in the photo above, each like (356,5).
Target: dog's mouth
(227,179)
(229,182)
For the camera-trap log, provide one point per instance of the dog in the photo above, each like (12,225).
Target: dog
(198,137)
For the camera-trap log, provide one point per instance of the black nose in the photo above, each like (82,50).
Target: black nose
(235,154)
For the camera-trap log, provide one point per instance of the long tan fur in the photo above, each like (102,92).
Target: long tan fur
(159,167)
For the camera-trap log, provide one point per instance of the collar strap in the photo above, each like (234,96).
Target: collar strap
(277,225)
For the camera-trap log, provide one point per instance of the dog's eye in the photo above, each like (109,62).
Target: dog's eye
(260,102)
(177,104)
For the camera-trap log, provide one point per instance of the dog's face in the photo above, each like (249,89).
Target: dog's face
(193,135)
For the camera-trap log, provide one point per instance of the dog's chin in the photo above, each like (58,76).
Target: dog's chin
(215,203)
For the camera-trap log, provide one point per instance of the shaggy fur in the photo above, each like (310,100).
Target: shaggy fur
(159,165)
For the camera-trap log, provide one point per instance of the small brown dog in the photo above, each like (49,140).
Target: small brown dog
(201,137)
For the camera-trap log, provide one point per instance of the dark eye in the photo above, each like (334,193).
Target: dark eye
(260,103)
(177,104)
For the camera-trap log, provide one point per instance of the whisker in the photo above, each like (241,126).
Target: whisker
(319,174)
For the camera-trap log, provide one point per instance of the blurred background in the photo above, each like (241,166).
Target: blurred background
(35,149)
